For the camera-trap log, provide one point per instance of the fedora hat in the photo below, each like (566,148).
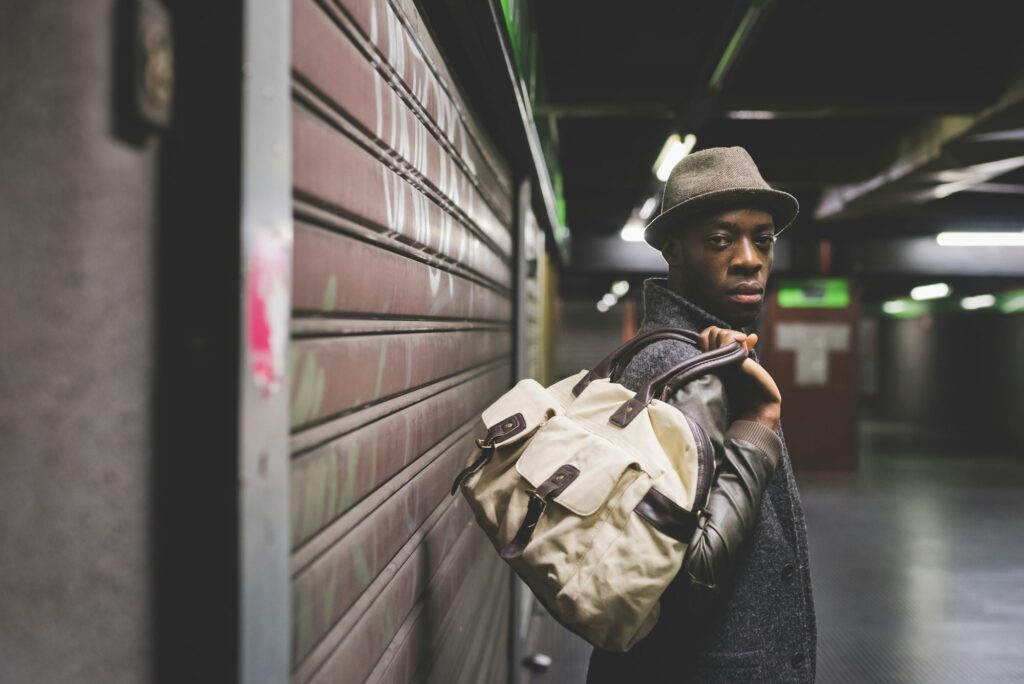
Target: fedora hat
(718,178)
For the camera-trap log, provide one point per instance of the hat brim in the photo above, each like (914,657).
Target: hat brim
(781,205)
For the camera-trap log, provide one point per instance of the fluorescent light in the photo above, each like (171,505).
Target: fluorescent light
(648,209)
(633,231)
(933,291)
(602,307)
(620,288)
(946,189)
(609,299)
(672,152)
(895,306)
(955,239)
(978,301)
(750,114)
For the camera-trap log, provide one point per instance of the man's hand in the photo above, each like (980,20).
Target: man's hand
(758,396)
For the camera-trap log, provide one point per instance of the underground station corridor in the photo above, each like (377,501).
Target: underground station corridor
(511,341)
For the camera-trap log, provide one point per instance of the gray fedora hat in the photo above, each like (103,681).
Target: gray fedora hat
(718,178)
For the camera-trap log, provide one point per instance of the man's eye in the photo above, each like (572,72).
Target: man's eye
(718,240)
(766,240)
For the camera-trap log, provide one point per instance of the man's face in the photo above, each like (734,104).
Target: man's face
(721,263)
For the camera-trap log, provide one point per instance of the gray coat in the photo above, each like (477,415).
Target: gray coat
(761,628)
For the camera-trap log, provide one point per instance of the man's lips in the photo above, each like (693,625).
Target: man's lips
(746,293)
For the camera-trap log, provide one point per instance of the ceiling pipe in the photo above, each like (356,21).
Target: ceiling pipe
(739,41)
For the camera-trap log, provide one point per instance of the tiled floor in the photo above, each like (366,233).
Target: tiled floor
(918,564)
(918,567)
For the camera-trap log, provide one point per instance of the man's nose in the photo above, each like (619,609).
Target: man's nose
(745,257)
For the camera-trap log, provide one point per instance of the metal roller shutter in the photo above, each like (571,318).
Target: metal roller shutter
(402,332)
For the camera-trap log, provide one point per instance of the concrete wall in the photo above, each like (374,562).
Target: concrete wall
(963,373)
(76,361)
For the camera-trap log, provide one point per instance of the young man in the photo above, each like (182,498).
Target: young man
(741,609)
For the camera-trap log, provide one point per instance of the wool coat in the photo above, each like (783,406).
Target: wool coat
(761,627)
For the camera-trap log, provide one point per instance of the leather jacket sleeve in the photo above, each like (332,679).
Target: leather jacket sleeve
(745,457)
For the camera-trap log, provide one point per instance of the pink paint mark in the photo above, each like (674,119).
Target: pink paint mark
(266,298)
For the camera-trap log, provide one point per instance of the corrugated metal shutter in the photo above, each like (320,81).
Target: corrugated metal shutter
(402,311)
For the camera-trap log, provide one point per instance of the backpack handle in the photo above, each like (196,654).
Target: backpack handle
(666,384)
(732,359)
(628,349)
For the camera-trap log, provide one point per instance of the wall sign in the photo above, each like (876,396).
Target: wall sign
(812,343)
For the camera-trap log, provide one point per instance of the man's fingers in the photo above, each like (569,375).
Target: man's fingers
(727,337)
(713,337)
(705,338)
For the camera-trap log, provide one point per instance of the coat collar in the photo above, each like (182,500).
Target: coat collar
(665,308)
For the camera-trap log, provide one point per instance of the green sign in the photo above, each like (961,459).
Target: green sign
(815,293)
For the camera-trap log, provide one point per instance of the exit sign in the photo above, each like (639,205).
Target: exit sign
(814,293)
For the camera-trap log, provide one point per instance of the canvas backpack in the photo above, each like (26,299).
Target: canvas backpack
(592,492)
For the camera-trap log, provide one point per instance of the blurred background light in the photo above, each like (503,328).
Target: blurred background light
(933,291)
(978,301)
(674,150)
(895,306)
(959,239)
(647,210)
(633,231)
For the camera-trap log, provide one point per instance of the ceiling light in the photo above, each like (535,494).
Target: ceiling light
(946,189)
(750,114)
(620,288)
(895,306)
(955,239)
(609,299)
(933,291)
(648,209)
(602,307)
(633,231)
(674,150)
(978,301)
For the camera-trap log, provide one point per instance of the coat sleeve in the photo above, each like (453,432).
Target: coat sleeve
(745,454)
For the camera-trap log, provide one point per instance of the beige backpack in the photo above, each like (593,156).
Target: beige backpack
(592,492)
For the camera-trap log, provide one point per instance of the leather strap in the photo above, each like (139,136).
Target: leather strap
(613,362)
(548,490)
(666,516)
(497,433)
(686,371)
(732,359)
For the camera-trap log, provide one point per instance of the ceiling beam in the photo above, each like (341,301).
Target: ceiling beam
(929,149)
(884,111)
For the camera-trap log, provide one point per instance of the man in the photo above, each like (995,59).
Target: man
(741,609)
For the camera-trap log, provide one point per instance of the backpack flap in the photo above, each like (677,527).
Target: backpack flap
(513,418)
(564,443)
(528,400)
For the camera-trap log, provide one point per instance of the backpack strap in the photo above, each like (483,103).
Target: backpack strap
(628,349)
(676,377)
(497,433)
